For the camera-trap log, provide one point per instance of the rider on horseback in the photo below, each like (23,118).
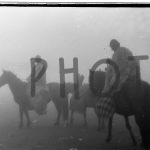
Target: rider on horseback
(131,95)
(129,76)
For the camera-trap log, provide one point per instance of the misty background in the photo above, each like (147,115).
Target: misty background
(57,32)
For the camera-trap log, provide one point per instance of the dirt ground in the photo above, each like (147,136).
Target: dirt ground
(43,135)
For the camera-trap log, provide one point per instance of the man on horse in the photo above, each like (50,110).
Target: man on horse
(131,95)
(129,82)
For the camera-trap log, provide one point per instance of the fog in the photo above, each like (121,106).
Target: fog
(84,33)
(57,32)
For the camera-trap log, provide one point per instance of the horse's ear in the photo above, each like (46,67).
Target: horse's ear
(91,71)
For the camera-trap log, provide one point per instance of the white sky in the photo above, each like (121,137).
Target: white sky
(84,33)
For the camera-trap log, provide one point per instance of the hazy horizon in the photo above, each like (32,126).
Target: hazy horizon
(85,33)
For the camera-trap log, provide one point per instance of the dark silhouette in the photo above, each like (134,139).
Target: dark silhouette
(123,106)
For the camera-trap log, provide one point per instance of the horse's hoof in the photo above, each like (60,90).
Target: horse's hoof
(29,124)
(134,143)
(145,146)
(108,140)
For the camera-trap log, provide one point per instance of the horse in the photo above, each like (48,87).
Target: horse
(121,105)
(86,99)
(61,104)
(19,90)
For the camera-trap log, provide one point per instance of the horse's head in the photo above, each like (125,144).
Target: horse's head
(4,78)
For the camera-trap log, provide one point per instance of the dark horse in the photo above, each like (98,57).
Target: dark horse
(19,91)
(124,107)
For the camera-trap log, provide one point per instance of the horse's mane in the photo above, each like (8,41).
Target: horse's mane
(15,81)
(9,73)
(17,87)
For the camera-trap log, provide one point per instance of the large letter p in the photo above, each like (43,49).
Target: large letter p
(34,78)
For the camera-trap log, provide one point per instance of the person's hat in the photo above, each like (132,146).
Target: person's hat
(37,56)
(114,43)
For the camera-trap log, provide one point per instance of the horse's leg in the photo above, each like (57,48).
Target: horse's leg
(21,116)
(142,124)
(58,116)
(130,130)
(65,111)
(57,103)
(99,120)
(109,136)
(27,117)
(103,124)
(71,118)
(99,124)
(85,119)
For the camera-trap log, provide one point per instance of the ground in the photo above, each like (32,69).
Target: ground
(43,135)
